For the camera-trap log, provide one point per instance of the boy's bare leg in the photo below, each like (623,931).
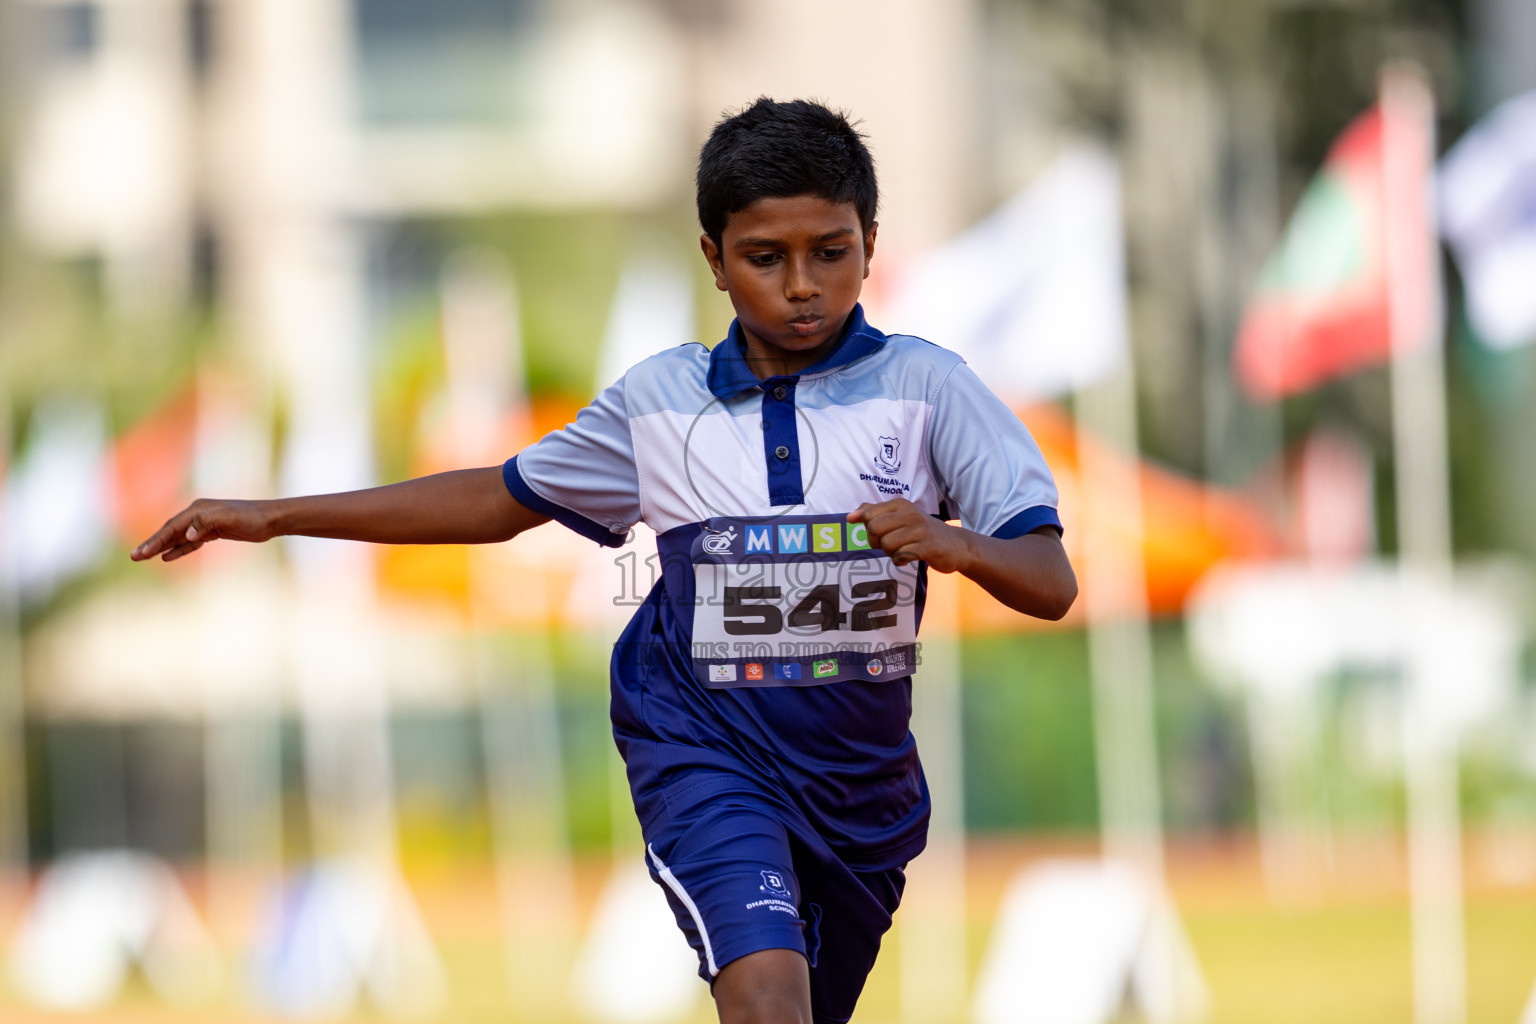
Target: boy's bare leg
(771,986)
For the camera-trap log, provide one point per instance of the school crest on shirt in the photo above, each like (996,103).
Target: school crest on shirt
(888,454)
(773,885)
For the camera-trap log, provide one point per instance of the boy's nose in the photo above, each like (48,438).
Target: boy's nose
(798,282)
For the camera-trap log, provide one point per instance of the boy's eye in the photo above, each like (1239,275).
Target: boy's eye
(763,259)
(833,254)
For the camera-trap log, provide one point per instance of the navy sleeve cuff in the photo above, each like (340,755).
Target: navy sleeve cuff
(1028,521)
(525,496)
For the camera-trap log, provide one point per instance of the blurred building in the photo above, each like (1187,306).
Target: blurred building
(178,141)
(171,139)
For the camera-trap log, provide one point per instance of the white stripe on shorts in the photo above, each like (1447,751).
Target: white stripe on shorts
(698,922)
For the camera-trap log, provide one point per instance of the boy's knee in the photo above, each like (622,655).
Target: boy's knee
(772,986)
(763,1007)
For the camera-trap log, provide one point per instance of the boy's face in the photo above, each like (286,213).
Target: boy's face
(793,268)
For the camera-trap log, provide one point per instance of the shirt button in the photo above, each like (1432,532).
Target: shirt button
(781,452)
(779,392)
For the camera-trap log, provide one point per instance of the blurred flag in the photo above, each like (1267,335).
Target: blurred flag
(1321,306)
(1488,214)
(478,418)
(57,500)
(652,310)
(1323,303)
(483,350)
(1034,296)
(152,467)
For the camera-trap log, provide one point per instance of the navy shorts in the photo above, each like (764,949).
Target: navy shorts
(740,879)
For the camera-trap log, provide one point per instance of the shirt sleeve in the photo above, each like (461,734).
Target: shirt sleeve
(584,476)
(992,474)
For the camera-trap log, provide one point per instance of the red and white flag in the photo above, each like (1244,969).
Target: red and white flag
(1358,251)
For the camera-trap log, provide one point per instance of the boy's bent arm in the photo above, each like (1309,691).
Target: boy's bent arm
(466,506)
(1030,574)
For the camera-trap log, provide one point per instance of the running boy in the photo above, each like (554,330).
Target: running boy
(798,477)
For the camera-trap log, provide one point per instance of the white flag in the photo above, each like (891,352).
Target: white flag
(57,500)
(652,310)
(483,349)
(1488,214)
(1034,296)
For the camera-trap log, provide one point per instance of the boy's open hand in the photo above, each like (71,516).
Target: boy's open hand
(908,534)
(205,520)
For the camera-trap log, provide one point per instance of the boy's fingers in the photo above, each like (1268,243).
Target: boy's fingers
(894,538)
(872,516)
(197,533)
(157,543)
(865,510)
(895,526)
(180,551)
(881,523)
(868,510)
(173,533)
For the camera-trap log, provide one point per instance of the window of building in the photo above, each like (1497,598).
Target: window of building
(70,31)
(449,61)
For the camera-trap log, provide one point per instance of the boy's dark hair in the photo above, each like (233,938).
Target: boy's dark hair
(773,149)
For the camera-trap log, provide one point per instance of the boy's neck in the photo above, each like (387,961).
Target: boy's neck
(766,360)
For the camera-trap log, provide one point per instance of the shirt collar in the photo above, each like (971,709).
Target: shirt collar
(729,374)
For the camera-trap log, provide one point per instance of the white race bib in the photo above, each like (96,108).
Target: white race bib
(799,601)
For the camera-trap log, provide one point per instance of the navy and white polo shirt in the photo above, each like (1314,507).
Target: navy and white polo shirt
(775,643)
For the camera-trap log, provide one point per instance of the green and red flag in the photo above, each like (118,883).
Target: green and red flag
(1322,307)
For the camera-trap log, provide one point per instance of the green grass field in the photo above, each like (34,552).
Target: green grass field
(1337,952)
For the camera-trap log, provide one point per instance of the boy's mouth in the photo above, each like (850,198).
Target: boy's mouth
(806,324)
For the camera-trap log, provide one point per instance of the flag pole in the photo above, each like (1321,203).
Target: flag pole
(1424,537)
(13,790)
(1122,673)
(1119,639)
(242,763)
(512,676)
(932,944)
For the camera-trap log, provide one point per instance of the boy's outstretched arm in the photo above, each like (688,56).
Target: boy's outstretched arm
(1029,574)
(466,506)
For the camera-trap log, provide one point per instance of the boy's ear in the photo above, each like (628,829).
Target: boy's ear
(869,245)
(712,254)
